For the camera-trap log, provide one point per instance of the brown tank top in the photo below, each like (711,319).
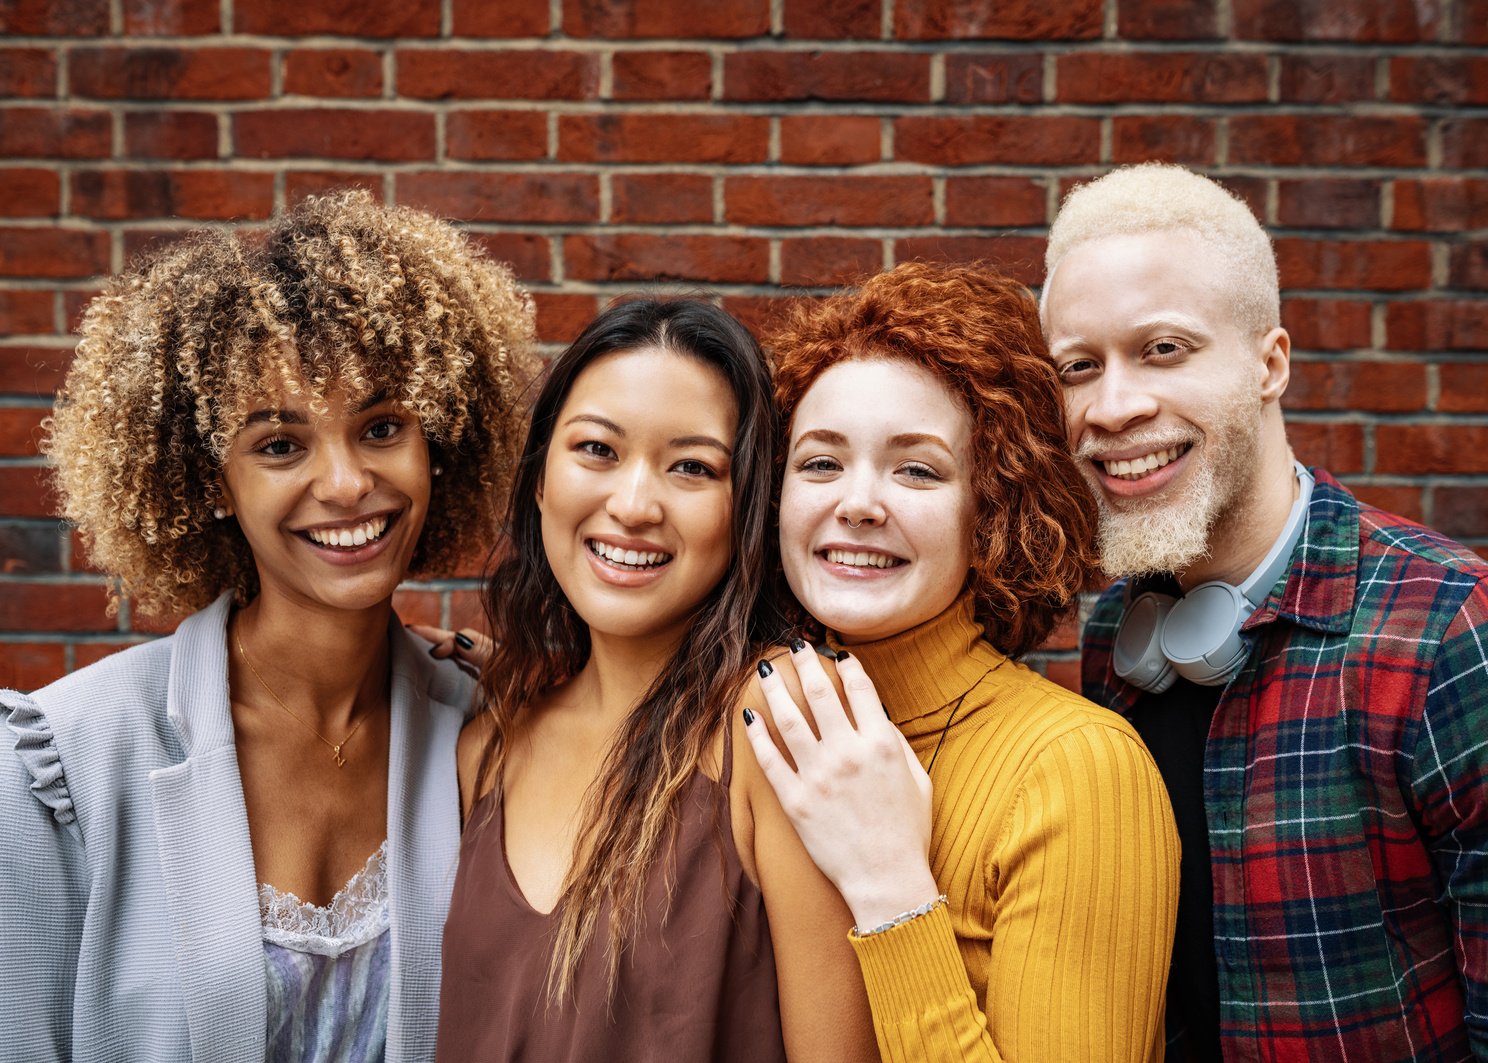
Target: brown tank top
(698,984)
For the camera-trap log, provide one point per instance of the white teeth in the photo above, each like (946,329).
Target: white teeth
(629,558)
(367,532)
(861,559)
(1136,468)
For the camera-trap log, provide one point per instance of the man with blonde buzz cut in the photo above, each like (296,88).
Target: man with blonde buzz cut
(1309,672)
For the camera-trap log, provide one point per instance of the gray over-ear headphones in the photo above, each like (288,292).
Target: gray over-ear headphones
(1197,636)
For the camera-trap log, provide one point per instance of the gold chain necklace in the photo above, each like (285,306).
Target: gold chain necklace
(335,747)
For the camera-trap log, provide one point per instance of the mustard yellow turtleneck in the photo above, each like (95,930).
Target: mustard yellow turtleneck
(1054,843)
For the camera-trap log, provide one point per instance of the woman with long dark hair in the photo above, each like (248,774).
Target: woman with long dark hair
(629,887)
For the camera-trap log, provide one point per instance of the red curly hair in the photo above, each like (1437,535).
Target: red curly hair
(1034,527)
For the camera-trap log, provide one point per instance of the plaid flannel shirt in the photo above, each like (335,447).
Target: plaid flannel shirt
(1346,791)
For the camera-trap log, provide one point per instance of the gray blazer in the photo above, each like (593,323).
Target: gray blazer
(129,923)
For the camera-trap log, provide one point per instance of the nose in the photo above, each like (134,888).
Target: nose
(636,499)
(1118,398)
(861,502)
(342,477)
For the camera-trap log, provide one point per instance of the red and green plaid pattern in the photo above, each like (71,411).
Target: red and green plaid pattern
(1346,788)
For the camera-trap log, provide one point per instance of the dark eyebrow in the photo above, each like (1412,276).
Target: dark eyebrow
(594,418)
(277,416)
(702,441)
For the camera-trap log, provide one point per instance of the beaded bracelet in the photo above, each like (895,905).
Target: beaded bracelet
(902,917)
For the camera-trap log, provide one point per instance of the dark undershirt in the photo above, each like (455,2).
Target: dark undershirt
(1175,726)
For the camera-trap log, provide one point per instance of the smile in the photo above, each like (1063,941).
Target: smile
(862,558)
(1137,468)
(634,560)
(369,531)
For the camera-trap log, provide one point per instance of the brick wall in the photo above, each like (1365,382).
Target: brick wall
(757,147)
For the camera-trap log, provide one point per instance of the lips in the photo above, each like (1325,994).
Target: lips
(345,538)
(861,558)
(621,557)
(1142,465)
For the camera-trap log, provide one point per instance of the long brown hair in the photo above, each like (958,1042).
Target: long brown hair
(541,641)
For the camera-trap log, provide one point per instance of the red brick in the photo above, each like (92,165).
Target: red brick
(994,77)
(848,200)
(48,18)
(1463,387)
(1386,266)
(28,72)
(1461,512)
(1025,140)
(1399,499)
(1176,138)
(91,652)
(418,606)
(1328,203)
(636,137)
(301,183)
(1345,385)
(510,18)
(323,132)
(219,195)
(661,76)
(1328,140)
(20,430)
(561,317)
(838,20)
(504,197)
(858,76)
(51,132)
(530,255)
(1437,325)
(1425,449)
(1467,266)
(25,310)
(144,243)
(152,624)
(170,18)
(830,139)
(1439,79)
(1464,143)
(27,666)
(1472,21)
(1167,20)
(32,370)
(53,253)
(763,314)
(1443,204)
(503,136)
(665,18)
(1336,446)
(169,73)
(1330,78)
(1020,257)
(1384,21)
(1327,324)
(646,257)
(340,72)
(170,135)
(54,607)
(1023,20)
(828,261)
(529,74)
(30,193)
(27,492)
(1065,672)
(661,198)
(346,18)
(995,201)
(1161,77)
(74,302)
(467,609)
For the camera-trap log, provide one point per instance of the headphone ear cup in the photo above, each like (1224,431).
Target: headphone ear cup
(1137,655)
(1202,634)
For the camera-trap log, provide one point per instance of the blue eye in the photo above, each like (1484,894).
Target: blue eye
(819,465)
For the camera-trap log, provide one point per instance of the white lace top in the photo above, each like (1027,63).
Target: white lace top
(328,970)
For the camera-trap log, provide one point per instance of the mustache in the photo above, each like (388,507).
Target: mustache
(1094,442)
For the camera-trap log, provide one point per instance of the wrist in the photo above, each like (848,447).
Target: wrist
(875,903)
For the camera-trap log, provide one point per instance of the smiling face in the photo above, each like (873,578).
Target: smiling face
(331,503)
(883,445)
(636,496)
(1168,397)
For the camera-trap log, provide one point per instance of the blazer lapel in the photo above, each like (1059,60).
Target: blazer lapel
(206,854)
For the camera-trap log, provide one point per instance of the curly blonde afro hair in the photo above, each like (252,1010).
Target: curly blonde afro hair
(340,294)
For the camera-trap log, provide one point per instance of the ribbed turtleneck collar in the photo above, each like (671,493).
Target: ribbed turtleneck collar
(922,673)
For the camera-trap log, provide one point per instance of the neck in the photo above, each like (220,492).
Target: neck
(1252,523)
(620,671)
(329,666)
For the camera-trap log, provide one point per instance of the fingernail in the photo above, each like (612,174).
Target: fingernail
(748,717)
(843,655)
(765,669)
(797,645)
(464,641)
(827,652)
(432,649)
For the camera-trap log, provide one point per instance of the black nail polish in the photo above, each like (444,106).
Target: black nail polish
(464,641)
(432,649)
(797,645)
(748,717)
(765,669)
(827,652)
(843,655)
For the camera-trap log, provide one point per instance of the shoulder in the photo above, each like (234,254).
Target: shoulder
(110,693)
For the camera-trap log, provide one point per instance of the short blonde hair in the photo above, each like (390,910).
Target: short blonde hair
(1152,197)
(340,294)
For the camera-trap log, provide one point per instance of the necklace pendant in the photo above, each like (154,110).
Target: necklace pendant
(336,752)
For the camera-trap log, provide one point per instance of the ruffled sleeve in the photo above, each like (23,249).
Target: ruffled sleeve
(36,747)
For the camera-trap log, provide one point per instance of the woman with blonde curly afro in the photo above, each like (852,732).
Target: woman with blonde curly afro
(1005,846)
(238,842)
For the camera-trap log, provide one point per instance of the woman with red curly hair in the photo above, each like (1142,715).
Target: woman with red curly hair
(1005,846)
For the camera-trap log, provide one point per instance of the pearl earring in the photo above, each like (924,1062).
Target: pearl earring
(219,513)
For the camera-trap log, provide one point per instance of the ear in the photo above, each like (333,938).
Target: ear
(538,494)
(219,496)
(1276,357)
